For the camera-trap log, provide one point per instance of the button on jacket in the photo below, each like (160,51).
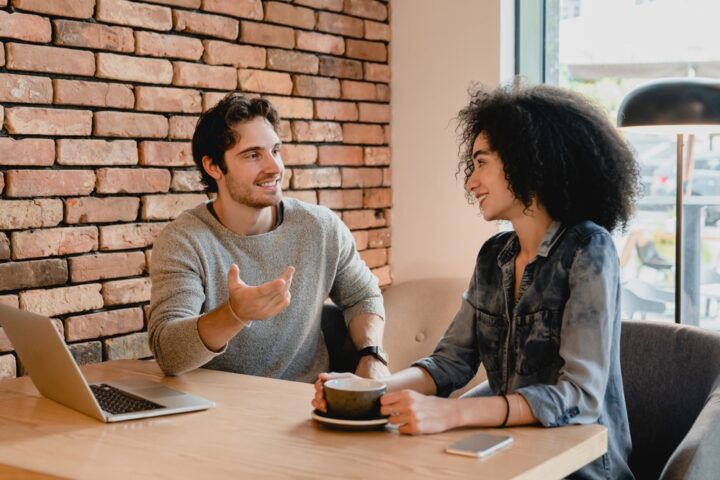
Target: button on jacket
(558,345)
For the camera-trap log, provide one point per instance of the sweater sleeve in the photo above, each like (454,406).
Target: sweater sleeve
(177,301)
(355,289)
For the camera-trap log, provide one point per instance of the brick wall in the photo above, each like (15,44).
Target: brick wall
(98,102)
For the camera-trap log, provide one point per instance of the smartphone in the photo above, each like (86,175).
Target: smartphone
(479,445)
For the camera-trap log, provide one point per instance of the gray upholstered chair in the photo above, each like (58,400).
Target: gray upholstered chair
(671,375)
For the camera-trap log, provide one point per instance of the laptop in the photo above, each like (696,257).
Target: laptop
(56,376)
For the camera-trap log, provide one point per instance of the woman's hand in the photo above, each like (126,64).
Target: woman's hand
(319,401)
(417,413)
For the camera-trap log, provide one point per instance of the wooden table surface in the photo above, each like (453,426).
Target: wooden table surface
(261,428)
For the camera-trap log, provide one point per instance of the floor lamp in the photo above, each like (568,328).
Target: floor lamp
(679,106)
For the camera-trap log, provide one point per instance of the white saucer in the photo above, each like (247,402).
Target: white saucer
(348,424)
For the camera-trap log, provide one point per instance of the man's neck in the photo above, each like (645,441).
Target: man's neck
(243,219)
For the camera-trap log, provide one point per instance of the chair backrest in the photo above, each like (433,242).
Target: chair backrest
(418,313)
(669,374)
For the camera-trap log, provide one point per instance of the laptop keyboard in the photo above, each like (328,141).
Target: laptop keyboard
(115,401)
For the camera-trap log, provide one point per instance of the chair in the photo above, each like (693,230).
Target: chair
(671,376)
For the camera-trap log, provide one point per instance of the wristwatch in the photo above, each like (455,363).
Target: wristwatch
(376,352)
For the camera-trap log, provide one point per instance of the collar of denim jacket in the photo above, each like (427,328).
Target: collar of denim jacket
(512,246)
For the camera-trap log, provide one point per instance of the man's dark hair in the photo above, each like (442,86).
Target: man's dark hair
(214,133)
(557,146)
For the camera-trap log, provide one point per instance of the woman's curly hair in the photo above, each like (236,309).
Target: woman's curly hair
(557,146)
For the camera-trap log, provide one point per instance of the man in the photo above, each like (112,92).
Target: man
(238,284)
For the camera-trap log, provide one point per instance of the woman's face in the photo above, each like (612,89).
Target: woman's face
(488,184)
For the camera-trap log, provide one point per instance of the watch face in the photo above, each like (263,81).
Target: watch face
(376,352)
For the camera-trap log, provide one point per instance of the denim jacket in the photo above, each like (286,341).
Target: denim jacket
(558,346)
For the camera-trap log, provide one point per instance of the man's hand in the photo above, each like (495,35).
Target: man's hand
(263,301)
(371,367)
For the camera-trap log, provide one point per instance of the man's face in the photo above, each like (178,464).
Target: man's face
(254,168)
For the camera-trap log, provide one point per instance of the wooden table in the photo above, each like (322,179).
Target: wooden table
(261,428)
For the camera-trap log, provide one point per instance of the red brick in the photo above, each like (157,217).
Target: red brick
(123,237)
(387,133)
(340,155)
(375,257)
(182,127)
(210,99)
(360,219)
(290,107)
(204,24)
(4,248)
(93,94)
(374,112)
(299,154)
(92,35)
(334,5)
(387,177)
(340,111)
(359,90)
(96,152)
(285,131)
(158,99)
(277,12)
(167,46)
(59,301)
(341,199)
(340,24)
(251,9)
(363,134)
(316,131)
(341,68)
(316,87)
(121,292)
(365,50)
(2,182)
(2,55)
(377,72)
(27,152)
(46,121)
(186,181)
(25,89)
(287,176)
(307,196)
(38,58)
(130,347)
(264,82)
(320,42)
(379,238)
(53,241)
(101,210)
(383,92)
(33,274)
(179,3)
(204,76)
(64,8)
(316,178)
(366,9)
(377,198)
(224,53)
(135,69)
(8,366)
(377,156)
(377,31)
(123,12)
(169,206)
(48,183)
(122,124)
(132,180)
(166,154)
(103,324)
(102,266)
(361,177)
(383,275)
(292,61)
(21,26)
(35,213)
(270,35)
(361,239)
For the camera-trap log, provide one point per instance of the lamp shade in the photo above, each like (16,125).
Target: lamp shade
(673,106)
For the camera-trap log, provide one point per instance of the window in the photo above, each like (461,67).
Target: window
(604,48)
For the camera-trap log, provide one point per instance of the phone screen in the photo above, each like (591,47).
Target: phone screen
(479,445)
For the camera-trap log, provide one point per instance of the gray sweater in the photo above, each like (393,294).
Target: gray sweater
(190,261)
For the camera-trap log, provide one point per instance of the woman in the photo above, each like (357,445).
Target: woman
(542,311)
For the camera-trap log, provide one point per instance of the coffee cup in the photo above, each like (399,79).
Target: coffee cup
(354,398)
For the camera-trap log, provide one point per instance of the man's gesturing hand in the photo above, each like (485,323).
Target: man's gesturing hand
(260,302)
